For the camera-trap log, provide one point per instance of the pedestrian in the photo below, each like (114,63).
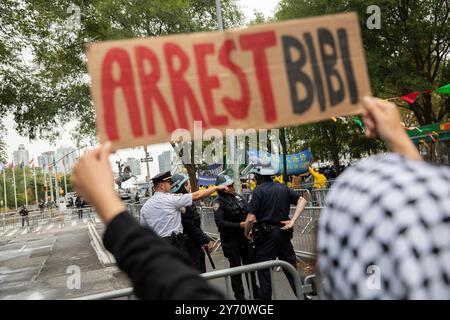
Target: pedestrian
(41,206)
(157,270)
(196,241)
(385,231)
(272,226)
(230,212)
(79,203)
(162,212)
(24,214)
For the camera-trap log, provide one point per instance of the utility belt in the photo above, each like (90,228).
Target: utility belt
(176,239)
(263,229)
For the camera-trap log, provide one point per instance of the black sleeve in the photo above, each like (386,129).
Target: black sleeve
(220,219)
(254,205)
(293,196)
(194,233)
(156,269)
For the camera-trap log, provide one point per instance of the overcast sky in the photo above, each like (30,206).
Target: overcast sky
(35,148)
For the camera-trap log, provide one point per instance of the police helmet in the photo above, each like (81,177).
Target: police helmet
(263,171)
(178,181)
(224,180)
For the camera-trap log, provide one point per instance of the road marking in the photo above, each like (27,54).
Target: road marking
(13,232)
(74,223)
(103,255)
(21,249)
(49,227)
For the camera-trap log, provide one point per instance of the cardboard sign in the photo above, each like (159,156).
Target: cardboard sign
(263,76)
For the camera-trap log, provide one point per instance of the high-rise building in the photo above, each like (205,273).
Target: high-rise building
(21,155)
(69,155)
(165,161)
(135,166)
(41,161)
(45,159)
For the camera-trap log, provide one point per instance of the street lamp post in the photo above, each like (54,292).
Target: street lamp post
(50,169)
(232,143)
(146,163)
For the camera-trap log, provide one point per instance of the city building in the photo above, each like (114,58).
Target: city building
(135,165)
(165,161)
(45,159)
(21,155)
(69,155)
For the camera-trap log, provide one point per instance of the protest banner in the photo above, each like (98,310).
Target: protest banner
(264,76)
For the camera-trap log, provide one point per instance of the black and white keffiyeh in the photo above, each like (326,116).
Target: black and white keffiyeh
(385,232)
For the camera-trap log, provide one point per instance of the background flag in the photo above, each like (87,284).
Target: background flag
(444,89)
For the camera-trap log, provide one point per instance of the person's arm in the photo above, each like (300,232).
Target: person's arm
(195,233)
(249,221)
(201,194)
(383,119)
(156,269)
(301,204)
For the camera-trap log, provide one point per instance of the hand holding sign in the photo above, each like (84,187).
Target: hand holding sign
(260,77)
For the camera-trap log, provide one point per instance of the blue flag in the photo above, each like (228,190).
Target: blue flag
(296,163)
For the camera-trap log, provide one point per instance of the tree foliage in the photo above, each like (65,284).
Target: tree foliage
(409,53)
(43,75)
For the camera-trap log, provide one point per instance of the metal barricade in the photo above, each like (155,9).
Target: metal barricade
(304,238)
(318,197)
(135,209)
(208,223)
(305,230)
(226,274)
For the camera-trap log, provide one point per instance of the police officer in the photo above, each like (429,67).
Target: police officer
(272,227)
(196,241)
(230,211)
(162,211)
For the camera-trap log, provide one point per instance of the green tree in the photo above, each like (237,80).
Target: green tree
(409,53)
(51,87)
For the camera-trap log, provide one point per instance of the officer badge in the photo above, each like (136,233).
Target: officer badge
(183,209)
(216,206)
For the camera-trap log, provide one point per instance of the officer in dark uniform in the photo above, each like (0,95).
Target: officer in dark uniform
(272,228)
(230,211)
(196,240)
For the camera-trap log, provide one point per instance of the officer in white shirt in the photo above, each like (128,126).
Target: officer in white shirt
(162,212)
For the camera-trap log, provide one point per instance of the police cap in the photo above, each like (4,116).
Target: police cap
(162,177)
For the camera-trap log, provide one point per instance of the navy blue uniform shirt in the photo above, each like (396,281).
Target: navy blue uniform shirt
(271,202)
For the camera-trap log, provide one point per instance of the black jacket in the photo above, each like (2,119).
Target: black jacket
(23,212)
(229,211)
(192,226)
(156,269)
